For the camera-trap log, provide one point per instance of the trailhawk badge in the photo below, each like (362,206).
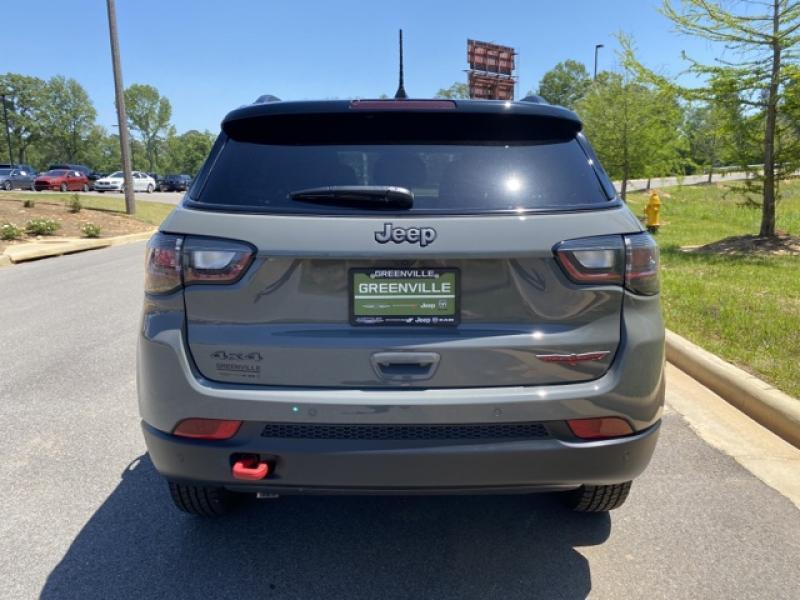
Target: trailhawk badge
(413,235)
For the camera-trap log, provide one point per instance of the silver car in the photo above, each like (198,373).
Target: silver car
(17,177)
(401,297)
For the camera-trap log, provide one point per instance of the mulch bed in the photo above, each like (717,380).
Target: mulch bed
(780,245)
(110,223)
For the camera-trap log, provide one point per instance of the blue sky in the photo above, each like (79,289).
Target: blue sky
(209,56)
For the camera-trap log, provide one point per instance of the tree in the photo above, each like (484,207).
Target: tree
(186,152)
(565,84)
(632,127)
(148,114)
(68,120)
(25,97)
(765,34)
(664,146)
(455,91)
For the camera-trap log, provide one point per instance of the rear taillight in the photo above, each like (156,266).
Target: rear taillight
(162,269)
(175,261)
(641,264)
(631,260)
(207,260)
(597,260)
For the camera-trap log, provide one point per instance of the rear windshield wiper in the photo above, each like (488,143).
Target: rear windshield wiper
(360,196)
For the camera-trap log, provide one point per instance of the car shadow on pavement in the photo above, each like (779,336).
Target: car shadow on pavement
(137,545)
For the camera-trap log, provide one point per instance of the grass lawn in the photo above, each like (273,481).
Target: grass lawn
(149,212)
(745,309)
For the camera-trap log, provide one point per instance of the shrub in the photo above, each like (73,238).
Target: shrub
(28,203)
(42,226)
(9,231)
(74,204)
(90,230)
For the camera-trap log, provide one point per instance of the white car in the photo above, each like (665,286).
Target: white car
(142,182)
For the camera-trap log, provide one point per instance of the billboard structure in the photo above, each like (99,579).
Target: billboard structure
(491,71)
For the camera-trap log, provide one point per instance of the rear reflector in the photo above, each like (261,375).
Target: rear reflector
(600,428)
(207,429)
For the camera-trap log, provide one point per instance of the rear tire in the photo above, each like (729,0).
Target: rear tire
(150,188)
(86,188)
(598,498)
(7,186)
(201,501)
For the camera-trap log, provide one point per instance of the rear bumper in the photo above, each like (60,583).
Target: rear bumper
(311,466)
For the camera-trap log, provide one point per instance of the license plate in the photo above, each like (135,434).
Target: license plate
(400,296)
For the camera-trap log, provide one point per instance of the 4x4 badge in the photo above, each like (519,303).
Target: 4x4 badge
(413,235)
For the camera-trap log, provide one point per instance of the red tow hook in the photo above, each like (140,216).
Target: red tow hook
(250,468)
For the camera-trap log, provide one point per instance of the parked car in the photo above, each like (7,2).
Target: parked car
(142,182)
(25,167)
(64,180)
(175,183)
(16,178)
(90,173)
(481,314)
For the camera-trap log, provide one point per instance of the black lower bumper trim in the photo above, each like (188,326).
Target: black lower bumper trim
(402,466)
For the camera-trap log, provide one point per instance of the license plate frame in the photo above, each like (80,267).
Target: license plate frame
(391,315)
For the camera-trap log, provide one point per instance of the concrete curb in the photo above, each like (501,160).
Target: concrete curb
(778,412)
(57,247)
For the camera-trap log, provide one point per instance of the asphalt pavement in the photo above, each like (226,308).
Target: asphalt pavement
(84,514)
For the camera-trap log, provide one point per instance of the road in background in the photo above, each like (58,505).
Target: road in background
(633,186)
(637,185)
(164,197)
(86,516)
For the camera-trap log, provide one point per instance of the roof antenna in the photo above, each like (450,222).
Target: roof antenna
(400,94)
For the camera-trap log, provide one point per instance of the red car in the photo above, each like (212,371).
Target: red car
(63,180)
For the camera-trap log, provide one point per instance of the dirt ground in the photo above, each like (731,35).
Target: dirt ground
(110,223)
(781,244)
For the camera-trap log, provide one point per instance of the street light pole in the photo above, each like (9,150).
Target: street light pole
(8,131)
(596,48)
(119,90)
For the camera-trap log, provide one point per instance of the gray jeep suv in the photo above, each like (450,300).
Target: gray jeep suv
(401,296)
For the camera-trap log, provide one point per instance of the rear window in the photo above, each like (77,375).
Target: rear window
(447,178)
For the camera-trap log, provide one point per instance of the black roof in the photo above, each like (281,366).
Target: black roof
(330,107)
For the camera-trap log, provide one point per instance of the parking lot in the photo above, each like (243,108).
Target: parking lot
(165,197)
(86,516)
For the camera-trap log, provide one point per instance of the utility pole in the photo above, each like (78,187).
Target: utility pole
(596,48)
(119,90)
(8,131)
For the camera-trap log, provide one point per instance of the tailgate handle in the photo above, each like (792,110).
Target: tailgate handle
(405,366)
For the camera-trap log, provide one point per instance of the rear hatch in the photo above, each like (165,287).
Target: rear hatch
(460,289)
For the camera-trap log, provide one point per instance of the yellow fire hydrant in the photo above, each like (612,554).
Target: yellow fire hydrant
(651,212)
